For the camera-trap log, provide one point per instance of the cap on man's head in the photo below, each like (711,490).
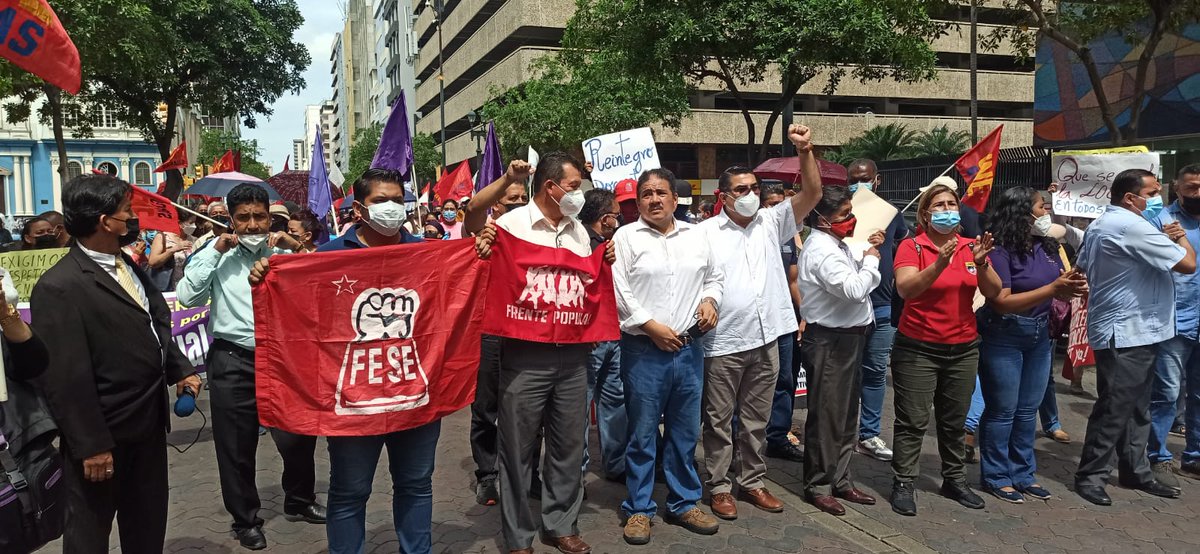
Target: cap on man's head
(626,190)
(280,210)
(683,190)
(943,180)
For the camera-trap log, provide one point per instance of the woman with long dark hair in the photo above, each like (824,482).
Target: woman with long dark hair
(1015,349)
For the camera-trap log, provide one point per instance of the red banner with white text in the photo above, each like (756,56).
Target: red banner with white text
(368,341)
(552,295)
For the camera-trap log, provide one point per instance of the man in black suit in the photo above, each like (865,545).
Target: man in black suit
(112,357)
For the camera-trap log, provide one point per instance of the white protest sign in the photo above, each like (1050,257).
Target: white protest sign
(873,214)
(1084,178)
(619,156)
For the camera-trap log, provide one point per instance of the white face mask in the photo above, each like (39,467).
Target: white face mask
(386,218)
(747,205)
(253,243)
(188,229)
(1041,226)
(571,203)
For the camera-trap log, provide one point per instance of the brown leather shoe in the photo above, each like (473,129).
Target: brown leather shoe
(723,506)
(826,503)
(570,544)
(855,496)
(763,499)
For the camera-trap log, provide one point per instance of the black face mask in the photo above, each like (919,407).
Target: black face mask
(277,226)
(513,205)
(45,241)
(223,220)
(1190,205)
(131,233)
(432,235)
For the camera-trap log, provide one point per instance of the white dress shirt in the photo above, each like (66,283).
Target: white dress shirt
(108,263)
(663,277)
(836,289)
(530,225)
(756,308)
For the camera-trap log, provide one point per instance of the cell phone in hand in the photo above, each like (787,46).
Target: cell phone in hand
(695,332)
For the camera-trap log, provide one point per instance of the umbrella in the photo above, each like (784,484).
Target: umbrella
(788,171)
(219,184)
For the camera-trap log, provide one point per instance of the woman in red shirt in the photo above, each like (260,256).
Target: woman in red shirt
(936,355)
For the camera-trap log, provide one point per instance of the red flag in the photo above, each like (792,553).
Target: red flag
(351,343)
(34,40)
(285,162)
(455,185)
(224,163)
(978,169)
(237,160)
(177,159)
(154,211)
(543,294)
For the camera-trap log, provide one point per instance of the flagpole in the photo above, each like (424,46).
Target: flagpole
(910,203)
(200,215)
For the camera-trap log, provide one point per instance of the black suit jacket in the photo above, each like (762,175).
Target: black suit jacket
(108,373)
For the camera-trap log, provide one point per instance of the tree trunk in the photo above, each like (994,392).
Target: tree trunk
(162,139)
(54,98)
(1157,30)
(791,85)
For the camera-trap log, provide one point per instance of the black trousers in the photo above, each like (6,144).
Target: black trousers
(484,409)
(833,358)
(235,436)
(1120,421)
(136,494)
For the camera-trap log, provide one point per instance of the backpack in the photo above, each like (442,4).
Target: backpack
(32,502)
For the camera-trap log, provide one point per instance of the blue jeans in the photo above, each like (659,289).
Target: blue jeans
(976,409)
(1049,408)
(1177,358)
(352,462)
(671,386)
(783,402)
(876,357)
(1014,361)
(604,383)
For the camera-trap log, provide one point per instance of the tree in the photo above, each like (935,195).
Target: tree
(426,159)
(880,143)
(740,42)
(940,142)
(148,58)
(573,100)
(1075,25)
(214,143)
(426,155)
(362,150)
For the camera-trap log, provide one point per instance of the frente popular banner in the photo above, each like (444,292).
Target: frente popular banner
(368,342)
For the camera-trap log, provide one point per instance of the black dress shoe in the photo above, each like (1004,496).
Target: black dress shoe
(787,451)
(1157,489)
(961,492)
(1093,494)
(312,513)
(486,493)
(904,498)
(252,538)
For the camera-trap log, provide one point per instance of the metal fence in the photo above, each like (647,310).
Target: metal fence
(1023,166)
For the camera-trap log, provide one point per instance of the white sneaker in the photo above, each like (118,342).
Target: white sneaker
(875,448)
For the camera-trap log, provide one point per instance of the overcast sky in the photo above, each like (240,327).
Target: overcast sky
(322,20)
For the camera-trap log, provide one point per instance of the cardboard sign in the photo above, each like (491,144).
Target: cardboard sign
(1079,352)
(873,214)
(1084,178)
(27,266)
(618,156)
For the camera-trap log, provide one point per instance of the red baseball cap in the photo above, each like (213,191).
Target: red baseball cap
(626,190)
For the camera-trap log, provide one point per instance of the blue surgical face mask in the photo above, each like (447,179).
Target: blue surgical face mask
(1154,205)
(869,185)
(945,222)
(449,215)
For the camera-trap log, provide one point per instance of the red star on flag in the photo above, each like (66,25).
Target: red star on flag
(344,284)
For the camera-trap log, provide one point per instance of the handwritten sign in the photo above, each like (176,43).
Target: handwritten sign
(1084,178)
(623,155)
(1079,352)
(27,266)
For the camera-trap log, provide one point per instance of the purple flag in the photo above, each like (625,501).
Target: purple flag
(491,167)
(395,145)
(319,197)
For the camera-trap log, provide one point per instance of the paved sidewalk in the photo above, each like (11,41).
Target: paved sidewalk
(1135,523)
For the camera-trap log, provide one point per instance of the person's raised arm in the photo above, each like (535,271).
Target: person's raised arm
(476,218)
(1175,232)
(810,173)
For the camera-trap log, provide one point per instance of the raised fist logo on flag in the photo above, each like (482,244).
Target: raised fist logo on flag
(381,371)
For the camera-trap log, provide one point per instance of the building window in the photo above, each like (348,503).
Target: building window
(108,167)
(106,118)
(141,174)
(74,169)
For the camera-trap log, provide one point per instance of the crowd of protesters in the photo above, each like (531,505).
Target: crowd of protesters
(720,309)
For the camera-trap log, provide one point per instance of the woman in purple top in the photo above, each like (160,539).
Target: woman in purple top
(1015,348)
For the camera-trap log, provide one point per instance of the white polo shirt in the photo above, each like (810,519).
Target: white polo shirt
(756,305)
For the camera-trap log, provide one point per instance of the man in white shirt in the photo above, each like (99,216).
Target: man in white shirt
(741,357)
(837,306)
(542,385)
(668,286)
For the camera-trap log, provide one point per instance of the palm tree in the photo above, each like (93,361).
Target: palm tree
(881,143)
(939,141)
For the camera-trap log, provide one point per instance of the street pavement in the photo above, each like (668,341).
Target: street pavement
(1136,522)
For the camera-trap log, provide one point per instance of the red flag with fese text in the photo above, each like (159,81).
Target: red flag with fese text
(542,294)
(978,169)
(368,341)
(34,39)
(154,211)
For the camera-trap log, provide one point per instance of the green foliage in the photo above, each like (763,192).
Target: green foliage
(940,142)
(214,144)
(362,150)
(571,102)
(426,158)
(738,42)
(881,143)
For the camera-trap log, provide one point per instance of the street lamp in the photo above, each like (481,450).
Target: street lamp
(439,7)
(476,133)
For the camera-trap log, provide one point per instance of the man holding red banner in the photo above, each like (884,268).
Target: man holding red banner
(550,296)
